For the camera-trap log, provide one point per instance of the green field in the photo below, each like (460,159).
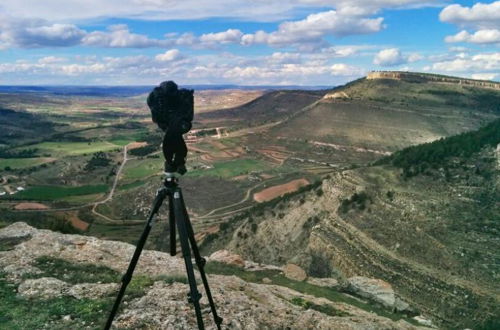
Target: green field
(138,169)
(131,185)
(17,163)
(232,168)
(75,148)
(57,192)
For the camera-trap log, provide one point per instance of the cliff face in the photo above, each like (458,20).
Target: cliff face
(416,235)
(55,281)
(427,77)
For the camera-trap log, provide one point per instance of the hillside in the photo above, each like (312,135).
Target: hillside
(433,235)
(386,115)
(270,107)
(55,281)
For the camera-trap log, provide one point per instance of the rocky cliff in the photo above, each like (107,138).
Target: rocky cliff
(432,237)
(55,281)
(428,77)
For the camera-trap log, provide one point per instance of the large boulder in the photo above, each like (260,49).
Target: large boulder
(227,257)
(373,289)
(294,272)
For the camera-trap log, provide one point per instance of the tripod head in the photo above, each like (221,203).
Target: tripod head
(171,179)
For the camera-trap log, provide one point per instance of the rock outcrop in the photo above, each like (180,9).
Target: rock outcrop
(163,305)
(378,291)
(428,77)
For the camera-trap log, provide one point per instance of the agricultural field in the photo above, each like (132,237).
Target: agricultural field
(69,151)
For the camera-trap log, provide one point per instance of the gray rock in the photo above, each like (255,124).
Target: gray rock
(325,282)
(401,305)
(373,289)
(92,290)
(423,321)
(43,288)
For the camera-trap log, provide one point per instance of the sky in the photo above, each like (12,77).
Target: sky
(253,42)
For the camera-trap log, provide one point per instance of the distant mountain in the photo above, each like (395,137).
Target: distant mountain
(125,91)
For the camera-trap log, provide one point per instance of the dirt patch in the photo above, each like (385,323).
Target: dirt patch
(223,154)
(240,177)
(77,222)
(279,190)
(276,154)
(31,206)
(135,145)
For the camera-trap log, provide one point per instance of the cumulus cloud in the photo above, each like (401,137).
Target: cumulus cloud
(393,57)
(313,28)
(34,33)
(477,64)
(119,36)
(491,36)
(169,56)
(229,36)
(480,16)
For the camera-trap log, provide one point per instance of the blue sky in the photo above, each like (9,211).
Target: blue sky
(253,42)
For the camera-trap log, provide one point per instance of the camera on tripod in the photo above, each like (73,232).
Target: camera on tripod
(172,109)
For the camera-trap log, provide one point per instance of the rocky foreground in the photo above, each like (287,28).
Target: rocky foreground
(161,304)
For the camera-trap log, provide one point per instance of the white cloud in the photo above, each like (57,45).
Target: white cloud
(393,57)
(229,36)
(78,69)
(459,49)
(484,76)
(34,33)
(341,69)
(313,28)
(479,16)
(282,58)
(51,60)
(276,69)
(169,56)
(490,36)
(256,10)
(119,36)
(479,63)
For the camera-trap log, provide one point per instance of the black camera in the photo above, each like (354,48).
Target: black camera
(172,108)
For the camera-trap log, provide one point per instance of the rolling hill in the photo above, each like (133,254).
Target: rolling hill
(388,114)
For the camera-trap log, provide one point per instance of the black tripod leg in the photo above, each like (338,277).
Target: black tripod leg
(200,262)
(160,196)
(171,220)
(194,296)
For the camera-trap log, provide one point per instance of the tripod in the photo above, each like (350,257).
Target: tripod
(177,215)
